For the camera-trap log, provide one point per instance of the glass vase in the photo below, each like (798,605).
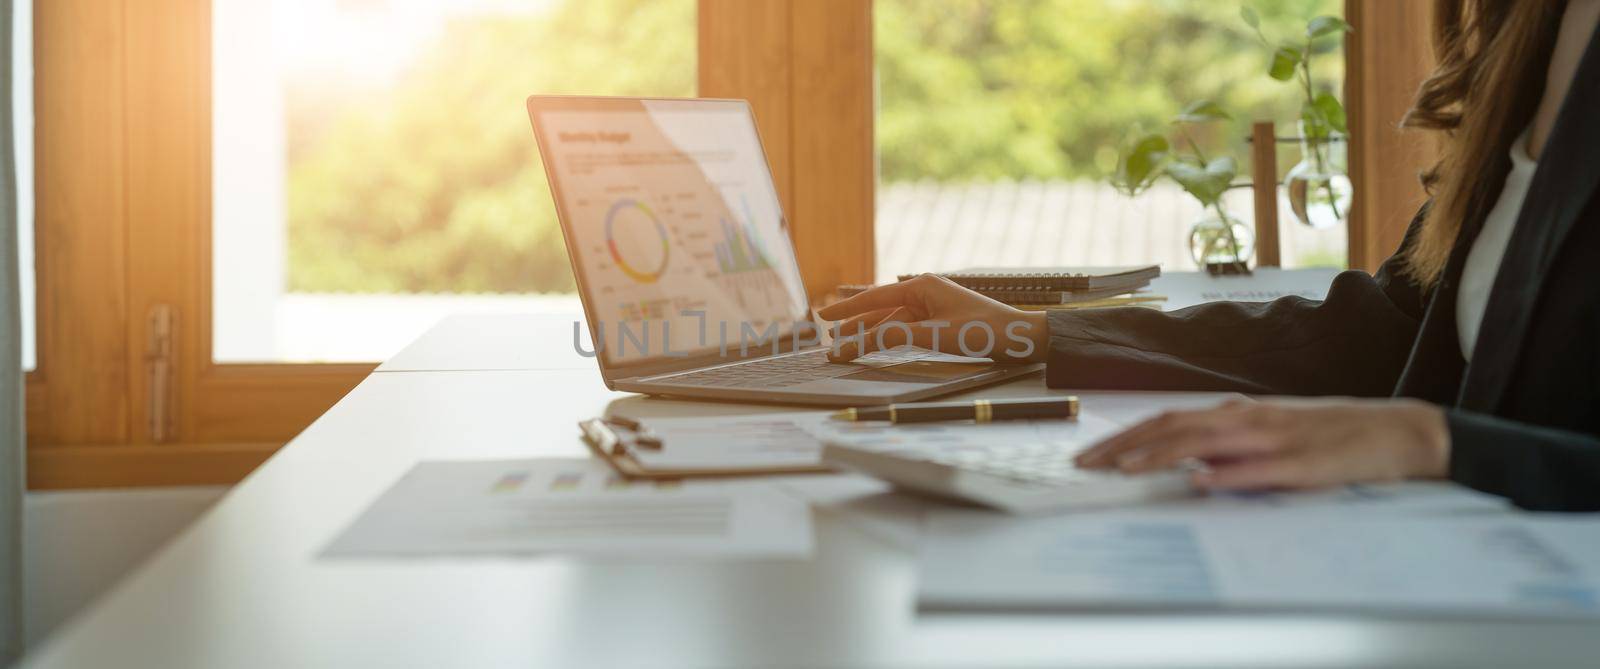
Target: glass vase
(1217,251)
(1319,185)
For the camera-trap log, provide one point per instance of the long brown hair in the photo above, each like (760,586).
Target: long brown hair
(1492,56)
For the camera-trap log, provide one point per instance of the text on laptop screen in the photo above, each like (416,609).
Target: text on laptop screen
(675,227)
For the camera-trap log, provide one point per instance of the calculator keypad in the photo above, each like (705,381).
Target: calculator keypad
(1037,463)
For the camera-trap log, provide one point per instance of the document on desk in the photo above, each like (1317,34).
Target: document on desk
(573,506)
(794,439)
(756,442)
(1471,565)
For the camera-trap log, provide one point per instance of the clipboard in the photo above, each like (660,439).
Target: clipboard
(615,439)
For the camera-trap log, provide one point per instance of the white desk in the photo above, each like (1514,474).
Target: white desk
(243,587)
(498,342)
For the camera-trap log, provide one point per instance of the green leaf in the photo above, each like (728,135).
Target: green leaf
(1284,60)
(1141,164)
(1326,25)
(1313,125)
(1250,17)
(1206,183)
(1331,111)
(1202,111)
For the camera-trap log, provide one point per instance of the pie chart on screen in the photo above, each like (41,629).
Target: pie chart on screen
(637,240)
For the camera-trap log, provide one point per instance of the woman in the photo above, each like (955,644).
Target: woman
(1481,333)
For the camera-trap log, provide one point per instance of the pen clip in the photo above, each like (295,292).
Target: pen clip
(599,433)
(619,436)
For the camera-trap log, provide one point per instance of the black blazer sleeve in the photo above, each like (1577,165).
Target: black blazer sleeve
(1536,467)
(1355,342)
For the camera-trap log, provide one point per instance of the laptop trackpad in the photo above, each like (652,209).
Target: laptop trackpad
(919,371)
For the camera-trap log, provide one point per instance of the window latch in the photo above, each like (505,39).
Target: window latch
(159,365)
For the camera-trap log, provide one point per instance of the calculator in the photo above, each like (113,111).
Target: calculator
(1015,478)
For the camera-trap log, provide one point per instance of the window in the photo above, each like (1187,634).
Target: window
(999,122)
(22,137)
(386,176)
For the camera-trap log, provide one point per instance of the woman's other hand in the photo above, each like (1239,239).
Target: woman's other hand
(931,312)
(1287,443)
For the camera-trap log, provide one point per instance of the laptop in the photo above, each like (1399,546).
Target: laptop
(685,268)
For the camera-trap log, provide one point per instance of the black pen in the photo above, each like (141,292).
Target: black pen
(981,411)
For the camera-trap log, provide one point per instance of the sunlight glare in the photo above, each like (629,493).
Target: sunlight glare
(370,42)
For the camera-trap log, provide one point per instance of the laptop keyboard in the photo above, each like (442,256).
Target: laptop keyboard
(789,370)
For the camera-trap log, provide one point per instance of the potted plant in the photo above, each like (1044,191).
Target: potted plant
(1319,185)
(1219,243)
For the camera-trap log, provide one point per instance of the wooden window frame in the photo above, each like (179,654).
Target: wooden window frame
(123,176)
(1386,58)
(123,167)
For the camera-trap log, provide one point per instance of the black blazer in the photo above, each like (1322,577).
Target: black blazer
(1524,415)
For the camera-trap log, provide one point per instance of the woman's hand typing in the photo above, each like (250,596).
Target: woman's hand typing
(934,313)
(1287,443)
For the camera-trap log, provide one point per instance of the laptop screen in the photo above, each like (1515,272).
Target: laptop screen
(674,227)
